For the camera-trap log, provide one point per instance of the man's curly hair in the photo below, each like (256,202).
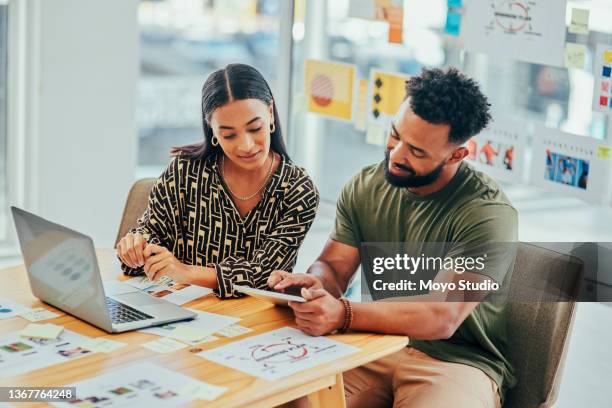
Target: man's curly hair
(449,97)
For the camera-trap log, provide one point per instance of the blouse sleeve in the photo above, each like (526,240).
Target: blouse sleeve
(158,224)
(279,250)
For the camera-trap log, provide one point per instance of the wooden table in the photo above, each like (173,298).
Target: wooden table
(323,384)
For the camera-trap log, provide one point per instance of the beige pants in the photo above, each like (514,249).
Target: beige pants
(410,378)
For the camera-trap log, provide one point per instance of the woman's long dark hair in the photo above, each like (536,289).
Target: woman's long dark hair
(234,82)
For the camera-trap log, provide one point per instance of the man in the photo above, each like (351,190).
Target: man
(422,192)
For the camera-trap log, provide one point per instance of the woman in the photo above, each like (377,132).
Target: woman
(233,208)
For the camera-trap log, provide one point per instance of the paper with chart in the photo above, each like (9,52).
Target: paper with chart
(499,150)
(571,164)
(602,94)
(526,30)
(9,309)
(142,384)
(167,289)
(278,353)
(205,322)
(20,355)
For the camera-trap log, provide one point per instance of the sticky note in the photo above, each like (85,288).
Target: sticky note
(605,86)
(164,345)
(604,152)
(455,3)
(579,23)
(607,57)
(203,391)
(574,55)
(102,345)
(42,331)
(191,335)
(38,314)
(453,24)
(234,330)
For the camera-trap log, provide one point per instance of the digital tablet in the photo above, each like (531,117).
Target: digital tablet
(277,298)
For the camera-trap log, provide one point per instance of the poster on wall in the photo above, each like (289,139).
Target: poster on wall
(499,150)
(386,93)
(329,88)
(602,94)
(570,164)
(526,30)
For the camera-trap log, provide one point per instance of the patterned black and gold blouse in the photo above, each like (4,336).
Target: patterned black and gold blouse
(191,213)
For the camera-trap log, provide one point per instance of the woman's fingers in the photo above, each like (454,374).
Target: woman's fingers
(139,245)
(121,252)
(131,252)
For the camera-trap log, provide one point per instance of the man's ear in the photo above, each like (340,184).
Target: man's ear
(459,154)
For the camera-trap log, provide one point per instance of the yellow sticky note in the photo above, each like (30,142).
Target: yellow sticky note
(574,55)
(38,314)
(202,391)
(234,330)
(604,152)
(42,331)
(164,345)
(607,57)
(191,335)
(102,345)
(579,23)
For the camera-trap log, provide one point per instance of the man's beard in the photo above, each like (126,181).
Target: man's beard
(413,180)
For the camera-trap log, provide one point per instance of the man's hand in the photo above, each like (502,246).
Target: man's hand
(321,314)
(280,280)
(161,262)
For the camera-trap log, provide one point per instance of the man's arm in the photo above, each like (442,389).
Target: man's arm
(335,266)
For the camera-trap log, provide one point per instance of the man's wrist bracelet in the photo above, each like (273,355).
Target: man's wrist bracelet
(348,315)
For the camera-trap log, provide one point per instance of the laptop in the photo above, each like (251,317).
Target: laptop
(63,271)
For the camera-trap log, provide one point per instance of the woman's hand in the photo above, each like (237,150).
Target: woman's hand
(162,262)
(130,249)
(280,280)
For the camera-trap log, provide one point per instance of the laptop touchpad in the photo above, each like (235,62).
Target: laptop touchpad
(137,299)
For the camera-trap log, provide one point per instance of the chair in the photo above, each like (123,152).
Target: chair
(539,332)
(135,205)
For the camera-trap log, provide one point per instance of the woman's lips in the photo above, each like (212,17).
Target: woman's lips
(251,157)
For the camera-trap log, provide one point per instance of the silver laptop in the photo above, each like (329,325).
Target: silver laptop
(64,272)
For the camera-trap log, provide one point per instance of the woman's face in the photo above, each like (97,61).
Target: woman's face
(243,130)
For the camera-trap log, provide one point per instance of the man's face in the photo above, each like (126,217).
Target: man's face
(417,151)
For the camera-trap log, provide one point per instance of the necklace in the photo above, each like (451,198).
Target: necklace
(258,190)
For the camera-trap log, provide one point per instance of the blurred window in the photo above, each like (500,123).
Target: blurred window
(333,151)
(182,41)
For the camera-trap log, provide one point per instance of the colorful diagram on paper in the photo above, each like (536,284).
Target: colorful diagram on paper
(526,30)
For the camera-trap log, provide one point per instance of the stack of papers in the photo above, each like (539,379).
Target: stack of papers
(167,289)
(203,326)
(9,309)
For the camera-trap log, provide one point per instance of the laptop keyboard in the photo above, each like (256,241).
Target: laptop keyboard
(122,313)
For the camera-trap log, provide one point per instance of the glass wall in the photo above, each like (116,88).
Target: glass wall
(182,41)
(333,151)
(3,119)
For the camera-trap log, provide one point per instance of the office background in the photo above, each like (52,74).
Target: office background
(93,93)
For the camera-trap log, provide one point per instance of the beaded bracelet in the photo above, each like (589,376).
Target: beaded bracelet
(348,315)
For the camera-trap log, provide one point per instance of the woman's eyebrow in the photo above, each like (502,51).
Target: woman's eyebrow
(246,124)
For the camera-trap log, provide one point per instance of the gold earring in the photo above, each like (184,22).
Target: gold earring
(214,141)
(272,127)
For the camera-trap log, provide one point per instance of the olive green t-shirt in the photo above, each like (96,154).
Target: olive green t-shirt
(471,208)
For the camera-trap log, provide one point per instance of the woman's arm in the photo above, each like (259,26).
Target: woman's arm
(158,224)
